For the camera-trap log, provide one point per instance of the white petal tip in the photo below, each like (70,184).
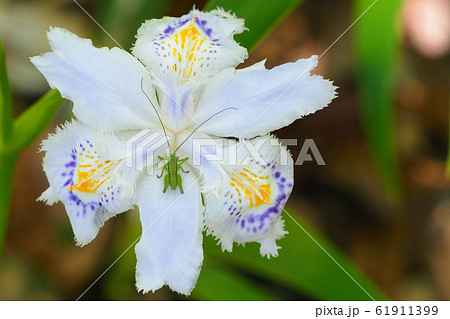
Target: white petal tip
(152,287)
(79,243)
(226,245)
(269,250)
(145,287)
(49,197)
(83,241)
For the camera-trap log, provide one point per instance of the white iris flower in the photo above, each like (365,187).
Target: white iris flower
(186,67)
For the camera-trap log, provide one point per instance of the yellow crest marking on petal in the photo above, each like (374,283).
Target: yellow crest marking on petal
(89,177)
(251,188)
(185,48)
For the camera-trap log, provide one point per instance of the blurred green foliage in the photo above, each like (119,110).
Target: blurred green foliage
(16,135)
(7,158)
(261,16)
(302,265)
(377,47)
(123,17)
(6,110)
(219,281)
(302,268)
(33,121)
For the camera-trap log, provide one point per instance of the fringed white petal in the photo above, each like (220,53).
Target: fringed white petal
(265,100)
(248,207)
(170,249)
(104,84)
(192,47)
(86,172)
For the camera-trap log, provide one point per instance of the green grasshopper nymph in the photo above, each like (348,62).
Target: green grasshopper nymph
(172,163)
(171,167)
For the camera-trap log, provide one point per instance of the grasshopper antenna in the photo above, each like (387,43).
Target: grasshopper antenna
(217,113)
(157,113)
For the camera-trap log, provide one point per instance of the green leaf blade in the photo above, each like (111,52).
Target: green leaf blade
(377,49)
(8,158)
(218,282)
(303,266)
(33,121)
(7,167)
(122,18)
(6,107)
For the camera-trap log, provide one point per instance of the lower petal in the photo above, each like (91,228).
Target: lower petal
(248,207)
(170,250)
(86,173)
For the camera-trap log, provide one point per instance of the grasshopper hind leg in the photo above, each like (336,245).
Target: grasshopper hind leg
(179,183)
(166,183)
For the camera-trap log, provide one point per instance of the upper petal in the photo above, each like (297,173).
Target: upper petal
(195,45)
(248,207)
(104,84)
(265,100)
(86,172)
(170,250)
